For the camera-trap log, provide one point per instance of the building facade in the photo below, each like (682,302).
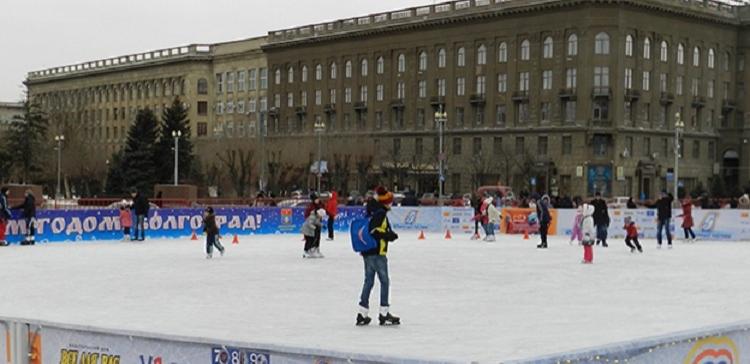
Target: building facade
(9,111)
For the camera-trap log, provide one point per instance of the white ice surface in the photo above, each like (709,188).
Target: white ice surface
(459,300)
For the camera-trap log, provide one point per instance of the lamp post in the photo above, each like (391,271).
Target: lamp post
(679,126)
(440,118)
(176,134)
(261,137)
(59,139)
(320,127)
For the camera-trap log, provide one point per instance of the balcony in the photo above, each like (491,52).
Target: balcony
(601,123)
(520,96)
(360,106)
(728,105)
(274,112)
(632,94)
(397,104)
(300,110)
(329,108)
(568,94)
(601,92)
(477,99)
(699,102)
(667,98)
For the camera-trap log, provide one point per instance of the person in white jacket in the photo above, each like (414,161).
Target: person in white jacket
(589,234)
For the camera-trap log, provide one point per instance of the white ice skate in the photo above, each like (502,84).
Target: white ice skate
(209,256)
(316,253)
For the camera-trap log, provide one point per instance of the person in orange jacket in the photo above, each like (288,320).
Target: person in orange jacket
(631,238)
(687,220)
(332,208)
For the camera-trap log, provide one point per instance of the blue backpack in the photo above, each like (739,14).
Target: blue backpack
(361,239)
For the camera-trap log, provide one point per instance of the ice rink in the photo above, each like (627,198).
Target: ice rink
(459,300)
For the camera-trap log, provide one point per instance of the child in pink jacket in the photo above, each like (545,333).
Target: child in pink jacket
(126,222)
(577,234)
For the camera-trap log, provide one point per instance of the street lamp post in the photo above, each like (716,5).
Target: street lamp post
(261,137)
(59,139)
(176,134)
(320,127)
(679,126)
(440,118)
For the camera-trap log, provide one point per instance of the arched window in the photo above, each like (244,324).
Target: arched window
(525,50)
(482,55)
(441,58)
(601,44)
(727,57)
(202,86)
(502,52)
(547,48)
(628,45)
(680,54)
(318,72)
(334,70)
(304,73)
(363,67)
(380,65)
(711,58)
(461,57)
(290,75)
(401,63)
(277,77)
(348,69)
(664,56)
(696,57)
(647,48)
(423,61)
(573,45)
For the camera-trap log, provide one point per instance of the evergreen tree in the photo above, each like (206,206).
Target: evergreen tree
(138,169)
(115,179)
(174,118)
(26,140)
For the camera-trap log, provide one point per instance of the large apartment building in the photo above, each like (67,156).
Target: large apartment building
(561,96)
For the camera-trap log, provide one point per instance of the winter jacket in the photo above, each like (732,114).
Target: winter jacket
(125,219)
(576,232)
(140,204)
(587,225)
(542,210)
(4,211)
(380,228)
(601,215)
(209,224)
(687,215)
(312,223)
(664,208)
(28,207)
(631,229)
(484,210)
(332,206)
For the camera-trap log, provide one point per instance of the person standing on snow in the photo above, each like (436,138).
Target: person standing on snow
(212,233)
(489,229)
(664,215)
(631,235)
(542,211)
(576,233)
(601,219)
(332,208)
(687,220)
(589,233)
(5,214)
(140,208)
(28,212)
(309,229)
(376,261)
(312,208)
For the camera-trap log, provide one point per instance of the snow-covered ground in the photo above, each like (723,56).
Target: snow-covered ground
(459,299)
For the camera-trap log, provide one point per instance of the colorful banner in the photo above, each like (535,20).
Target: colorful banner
(516,221)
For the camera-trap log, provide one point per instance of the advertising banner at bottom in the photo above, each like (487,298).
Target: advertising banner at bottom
(516,221)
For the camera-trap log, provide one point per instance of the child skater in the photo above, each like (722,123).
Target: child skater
(687,220)
(632,235)
(576,233)
(589,234)
(126,222)
(212,233)
(313,222)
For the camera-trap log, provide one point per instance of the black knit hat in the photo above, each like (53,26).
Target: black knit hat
(313,196)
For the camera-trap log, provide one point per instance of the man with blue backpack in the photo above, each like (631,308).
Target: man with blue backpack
(372,243)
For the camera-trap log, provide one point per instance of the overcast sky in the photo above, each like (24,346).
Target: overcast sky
(37,34)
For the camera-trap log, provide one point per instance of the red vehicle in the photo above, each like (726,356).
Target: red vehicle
(502,191)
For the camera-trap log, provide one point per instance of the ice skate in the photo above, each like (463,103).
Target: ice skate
(308,254)
(669,246)
(658,246)
(632,250)
(316,253)
(475,237)
(388,320)
(329,239)
(363,320)
(3,243)
(542,246)
(605,245)
(221,252)
(209,256)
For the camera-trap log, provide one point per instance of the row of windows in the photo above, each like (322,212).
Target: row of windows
(250,80)
(117,93)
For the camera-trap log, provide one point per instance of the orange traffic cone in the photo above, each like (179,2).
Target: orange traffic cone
(236,240)
(448,235)
(194,237)
(421,235)
(526,234)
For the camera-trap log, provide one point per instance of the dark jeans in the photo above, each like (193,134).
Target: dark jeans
(331,220)
(375,264)
(30,228)
(489,229)
(601,233)
(211,242)
(690,232)
(633,243)
(543,227)
(309,242)
(663,224)
(139,227)
(316,244)
(126,231)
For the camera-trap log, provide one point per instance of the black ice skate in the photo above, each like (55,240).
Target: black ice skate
(363,320)
(389,319)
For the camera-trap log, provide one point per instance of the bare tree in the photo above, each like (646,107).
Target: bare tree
(363,165)
(340,173)
(239,165)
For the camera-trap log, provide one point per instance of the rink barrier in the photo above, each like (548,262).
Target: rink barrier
(104,224)
(717,344)
(64,343)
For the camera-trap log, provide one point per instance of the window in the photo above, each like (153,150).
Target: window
(694,88)
(363,93)
(481,85)
(240,107)
(502,83)
(647,48)
(378,120)
(601,76)
(202,86)
(263,103)
(664,82)
(230,81)
(363,68)
(419,144)
(276,78)
(460,86)
(522,113)
(348,69)
(420,118)
(396,146)
(601,44)
(332,96)
(680,54)
(277,101)
(646,80)
(696,57)
(710,88)
(441,58)
(741,63)
(476,146)
(289,99)
(230,107)
(304,73)
(570,78)
(696,149)
(664,56)
(482,55)
(401,90)
(500,115)
(541,145)
(601,110)
(441,86)
(711,150)
(573,45)
(628,78)
(711,58)
(525,50)
(456,146)
(252,105)
(459,117)
(422,89)
(252,80)
(290,75)
(219,84)
(502,52)
(303,98)
(379,90)
(401,63)
(548,48)
(348,95)
(546,111)
(725,66)
(567,145)
(678,85)
(569,111)
(629,45)
(334,70)
(264,78)
(461,57)
(423,61)
(601,143)
(520,147)
(497,145)
(523,81)
(547,80)
(380,66)
(241,81)
(202,108)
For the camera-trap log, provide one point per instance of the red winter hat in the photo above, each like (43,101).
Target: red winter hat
(384,196)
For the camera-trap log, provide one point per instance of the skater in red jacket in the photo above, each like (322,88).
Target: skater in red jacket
(687,220)
(631,236)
